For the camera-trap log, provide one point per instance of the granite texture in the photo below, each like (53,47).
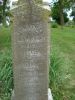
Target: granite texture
(30,52)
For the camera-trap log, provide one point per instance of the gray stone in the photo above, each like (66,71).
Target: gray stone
(50,97)
(30,52)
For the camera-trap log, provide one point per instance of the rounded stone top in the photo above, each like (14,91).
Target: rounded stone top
(26,1)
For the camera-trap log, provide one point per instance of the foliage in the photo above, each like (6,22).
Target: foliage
(62,67)
(56,14)
(54,76)
(62,5)
(6,75)
(73,13)
(4,11)
(70,23)
(54,25)
(65,3)
(5,37)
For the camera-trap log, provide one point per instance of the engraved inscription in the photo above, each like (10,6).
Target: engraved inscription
(30,64)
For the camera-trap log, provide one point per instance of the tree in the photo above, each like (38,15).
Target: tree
(1,10)
(4,10)
(56,14)
(62,5)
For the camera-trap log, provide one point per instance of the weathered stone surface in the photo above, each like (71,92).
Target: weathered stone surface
(30,52)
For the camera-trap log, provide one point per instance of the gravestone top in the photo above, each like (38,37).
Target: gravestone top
(30,11)
(26,1)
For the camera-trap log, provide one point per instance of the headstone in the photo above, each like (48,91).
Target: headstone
(30,52)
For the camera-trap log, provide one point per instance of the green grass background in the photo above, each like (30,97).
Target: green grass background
(62,67)
(6,74)
(63,63)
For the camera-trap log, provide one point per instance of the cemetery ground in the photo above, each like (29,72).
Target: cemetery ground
(62,69)
(62,73)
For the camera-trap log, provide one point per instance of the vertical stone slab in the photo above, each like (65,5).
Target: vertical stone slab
(30,52)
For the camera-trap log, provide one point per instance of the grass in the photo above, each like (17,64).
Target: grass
(62,69)
(62,81)
(6,75)
(5,37)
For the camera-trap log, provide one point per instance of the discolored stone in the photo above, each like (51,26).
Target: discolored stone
(30,52)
